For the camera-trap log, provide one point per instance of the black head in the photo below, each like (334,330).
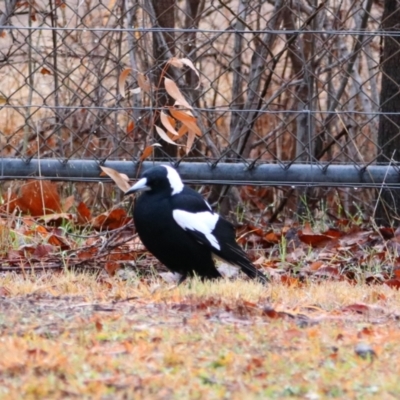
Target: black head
(159,179)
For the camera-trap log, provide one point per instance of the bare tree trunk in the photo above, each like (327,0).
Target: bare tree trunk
(389,122)
(299,51)
(237,79)
(193,11)
(238,137)
(163,50)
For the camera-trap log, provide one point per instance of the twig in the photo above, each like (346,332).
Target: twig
(343,132)
(11,5)
(53,18)
(378,200)
(352,58)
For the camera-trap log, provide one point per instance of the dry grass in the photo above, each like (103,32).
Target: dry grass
(75,336)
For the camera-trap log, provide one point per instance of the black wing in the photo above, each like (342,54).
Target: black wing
(211,230)
(189,200)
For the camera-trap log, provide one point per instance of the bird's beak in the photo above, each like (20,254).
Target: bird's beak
(138,186)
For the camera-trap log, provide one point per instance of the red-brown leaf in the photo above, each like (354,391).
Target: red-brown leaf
(83,213)
(393,283)
(111,220)
(38,198)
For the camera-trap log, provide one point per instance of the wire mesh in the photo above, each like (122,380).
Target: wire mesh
(266,81)
(297,102)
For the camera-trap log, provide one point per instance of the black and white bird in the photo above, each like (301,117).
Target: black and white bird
(179,227)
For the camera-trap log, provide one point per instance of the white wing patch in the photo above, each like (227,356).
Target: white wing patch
(174,180)
(203,222)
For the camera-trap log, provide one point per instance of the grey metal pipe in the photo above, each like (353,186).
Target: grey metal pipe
(196,172)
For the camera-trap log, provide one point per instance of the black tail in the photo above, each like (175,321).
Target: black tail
(235,255)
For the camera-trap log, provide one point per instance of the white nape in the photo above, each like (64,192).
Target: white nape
(203,222)
(174,180)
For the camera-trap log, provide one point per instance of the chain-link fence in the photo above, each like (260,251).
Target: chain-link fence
(235,85)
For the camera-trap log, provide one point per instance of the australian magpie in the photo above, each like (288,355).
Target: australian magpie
(179,227)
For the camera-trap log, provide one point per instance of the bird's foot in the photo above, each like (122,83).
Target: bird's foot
(181,279)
